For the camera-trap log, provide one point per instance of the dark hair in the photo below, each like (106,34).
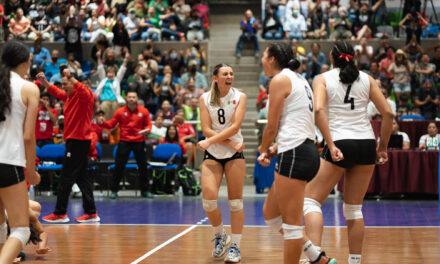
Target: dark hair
(34,238)
(167,136)
(283,55)
(45,95)
(14,53)
(349,72)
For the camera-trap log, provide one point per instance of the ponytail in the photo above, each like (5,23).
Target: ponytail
(5,91)
(283,55)
(343,57)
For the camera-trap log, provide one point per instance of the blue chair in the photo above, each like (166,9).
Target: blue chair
(51,156)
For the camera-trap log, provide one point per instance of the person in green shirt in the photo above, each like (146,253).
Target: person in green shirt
(192,113)
(160,6)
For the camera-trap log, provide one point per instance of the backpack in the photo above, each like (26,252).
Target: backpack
(189,184)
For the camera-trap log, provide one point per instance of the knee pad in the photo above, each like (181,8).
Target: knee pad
(236,205)
(275,223)
(209,205)
(22,234)
(3,232)
(311,205)
(352,211)
(292,232)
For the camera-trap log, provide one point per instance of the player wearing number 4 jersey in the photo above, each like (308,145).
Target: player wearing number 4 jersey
(341,99)
(221,114)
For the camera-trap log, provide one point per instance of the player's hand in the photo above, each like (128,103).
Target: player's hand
(381,157)
(336,154)
(203,145)
(42,78)
(264,159)
(33,177)
(237,146)
(42,251)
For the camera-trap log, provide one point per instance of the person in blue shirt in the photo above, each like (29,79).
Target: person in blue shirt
(52,67)
(249,28)
(41,54)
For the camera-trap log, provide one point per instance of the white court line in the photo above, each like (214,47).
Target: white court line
(151,252)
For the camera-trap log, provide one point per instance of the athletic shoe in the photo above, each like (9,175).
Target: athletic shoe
(323,259)
(88,218)
(220,244)
(54,218)
(233,255)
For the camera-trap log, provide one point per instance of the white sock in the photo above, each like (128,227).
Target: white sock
(236,238)
(218,230)
(354,259)
(311,251)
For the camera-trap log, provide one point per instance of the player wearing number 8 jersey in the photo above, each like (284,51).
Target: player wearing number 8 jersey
(222,112)
(341,99)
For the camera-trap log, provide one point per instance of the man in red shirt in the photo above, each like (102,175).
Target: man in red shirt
(134,122)
(187,134)
(78,112)
(47,117)
(98,128)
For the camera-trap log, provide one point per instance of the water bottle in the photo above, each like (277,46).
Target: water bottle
(180,191)
(31,193)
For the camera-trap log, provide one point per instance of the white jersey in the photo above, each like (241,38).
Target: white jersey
(347,107)
(297,120)
(11,130)
(221,118)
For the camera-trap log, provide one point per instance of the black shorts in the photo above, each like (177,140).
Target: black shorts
(237,155)
(301,163)
(10,175)
(355,151)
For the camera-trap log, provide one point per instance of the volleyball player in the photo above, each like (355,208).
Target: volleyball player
(291,122)
(222,112)
(19,101)
(341,99)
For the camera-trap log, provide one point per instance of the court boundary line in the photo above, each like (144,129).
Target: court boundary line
(164,244)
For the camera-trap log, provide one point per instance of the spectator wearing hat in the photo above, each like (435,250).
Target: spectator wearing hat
(401,69)
(200,80)
(131,23)
(40,26)
(428,100)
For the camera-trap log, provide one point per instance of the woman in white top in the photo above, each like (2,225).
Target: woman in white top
(291,122)
(341,99)
(18,114)
(222,112)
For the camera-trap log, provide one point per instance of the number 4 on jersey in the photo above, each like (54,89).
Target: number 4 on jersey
(351,100)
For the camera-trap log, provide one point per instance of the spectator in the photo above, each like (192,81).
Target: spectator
(413,27)
(171,26)
(272,27)
(52,67)
(142,83)
(385,64)
(54,9)
(372,111)
(191,112)
(186,94)
(262,100)
(4,21)
(166,112)
(58,33)
(365,25)
(198,54)
(414,50)
(134,122)
(194,26)
(121,37)
(140,7)
(177,64)
(72,31)
(364,54)
(404,107)
(166,89)
(159,5)
(131,23)
(19,25)
(436,61)
(203,11)
(425,69)
(158,129)
(98,128)
(401,69)
(182,9)
(376,74)
(431,140)
(109,88)
(340,26)
(110,19)
(398,139)
(428,100)
(298,50)
(187,134)
(151,52)
(40,26)
(316,59)
(295,26)
(78,115)
(318,25)
(249,28)
(381,51)
(40,53)
(96,26)
(199,78)
(151,26)
(172,137)
(263,82)
(74,66)
(102,44)
(47,118)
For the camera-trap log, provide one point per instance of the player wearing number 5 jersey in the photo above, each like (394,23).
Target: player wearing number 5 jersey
(222,112)
(341,99)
